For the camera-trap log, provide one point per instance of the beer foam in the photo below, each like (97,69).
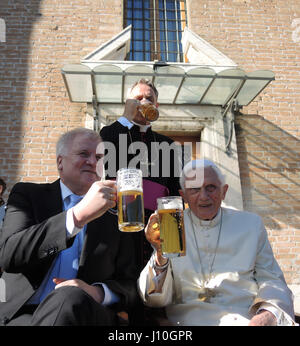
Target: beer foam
(132,187)
(128,180)
(172,204)
(130,184)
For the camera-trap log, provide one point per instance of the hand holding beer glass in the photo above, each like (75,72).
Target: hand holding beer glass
(130,200)
(170,227)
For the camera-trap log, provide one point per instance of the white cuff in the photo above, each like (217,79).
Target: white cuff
(72,230)
(109,296)
(158,276)
(269,307)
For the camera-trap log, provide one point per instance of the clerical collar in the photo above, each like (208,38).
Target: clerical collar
(206,223)
(125,122)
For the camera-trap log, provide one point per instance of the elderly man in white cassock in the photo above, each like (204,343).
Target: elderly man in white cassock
(229,275)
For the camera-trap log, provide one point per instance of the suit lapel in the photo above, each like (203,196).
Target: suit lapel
(53,200)
(98,236)
(91,240)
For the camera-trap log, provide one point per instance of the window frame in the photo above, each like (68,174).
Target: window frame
(151,36)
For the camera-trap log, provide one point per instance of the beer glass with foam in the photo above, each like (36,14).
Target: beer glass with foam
(130,200)
(149,111)
(172,233)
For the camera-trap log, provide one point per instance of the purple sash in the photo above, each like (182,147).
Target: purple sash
(152,191)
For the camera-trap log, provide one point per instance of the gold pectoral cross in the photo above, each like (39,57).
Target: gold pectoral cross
(205,294)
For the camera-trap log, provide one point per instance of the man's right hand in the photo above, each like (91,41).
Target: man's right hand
(101,196)
(131,109)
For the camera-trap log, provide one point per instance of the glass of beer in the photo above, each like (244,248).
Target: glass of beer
(172,233)
(131,216)
(149,111)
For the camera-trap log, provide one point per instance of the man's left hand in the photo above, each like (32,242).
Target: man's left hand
(263,318)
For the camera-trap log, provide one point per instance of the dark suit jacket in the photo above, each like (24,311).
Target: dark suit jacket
(34,233)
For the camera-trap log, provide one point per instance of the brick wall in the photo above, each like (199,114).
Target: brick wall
(269,167)
(42,36)
(258,35)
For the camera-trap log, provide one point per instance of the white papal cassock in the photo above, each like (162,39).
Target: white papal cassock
(244,274)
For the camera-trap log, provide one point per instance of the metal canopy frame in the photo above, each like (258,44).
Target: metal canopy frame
(177,83)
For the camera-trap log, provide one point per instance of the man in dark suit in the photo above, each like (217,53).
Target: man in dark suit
(64,264)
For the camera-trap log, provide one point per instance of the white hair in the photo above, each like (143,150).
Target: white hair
(200,163)
(62,145)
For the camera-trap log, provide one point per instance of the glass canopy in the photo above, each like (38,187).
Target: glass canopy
(108,82)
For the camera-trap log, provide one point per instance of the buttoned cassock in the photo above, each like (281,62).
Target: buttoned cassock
(244,274)
(122,134)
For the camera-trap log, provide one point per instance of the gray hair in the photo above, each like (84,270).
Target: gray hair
(144,81)
(63,143)
(200,163)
